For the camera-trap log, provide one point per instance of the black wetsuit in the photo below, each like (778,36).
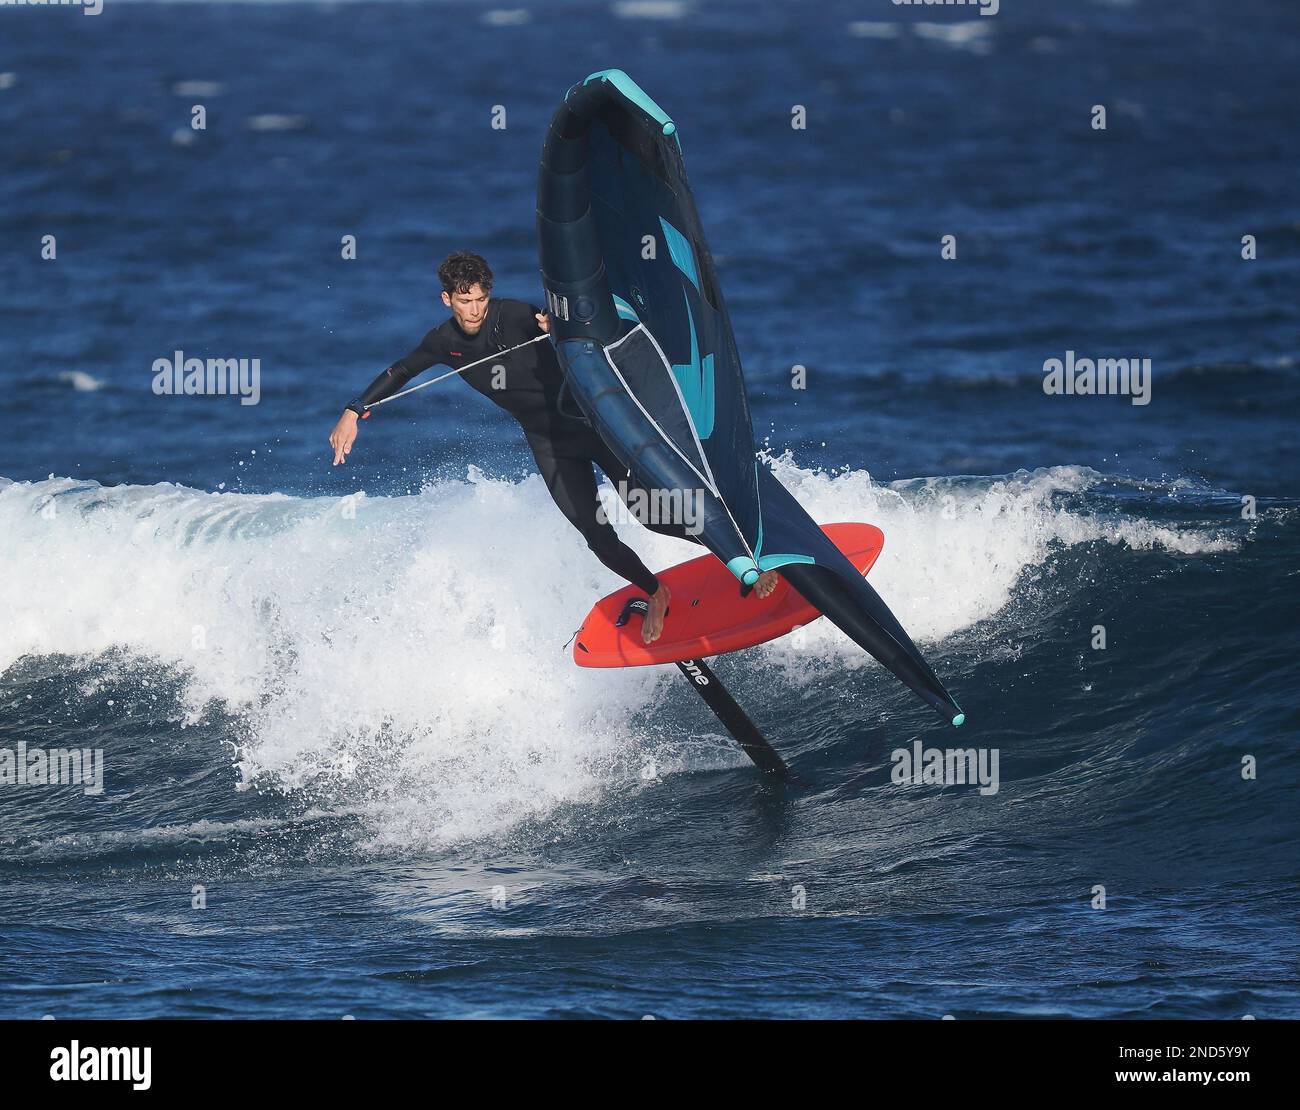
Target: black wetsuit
(529,390)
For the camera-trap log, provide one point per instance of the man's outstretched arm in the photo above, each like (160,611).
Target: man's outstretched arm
(387,383)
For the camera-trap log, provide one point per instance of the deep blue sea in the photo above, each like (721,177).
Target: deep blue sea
(350,767)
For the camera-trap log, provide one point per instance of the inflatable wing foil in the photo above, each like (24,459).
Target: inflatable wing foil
(643,336)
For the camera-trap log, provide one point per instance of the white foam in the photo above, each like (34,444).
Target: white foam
(973,35)
(81,381)
(408,654)
(866,29)
(650,9)
(198,88)
(957,549)
(275,121)
(507,17)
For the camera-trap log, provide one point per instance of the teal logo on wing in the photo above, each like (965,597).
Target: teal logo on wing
(679,247)
(695,378)
(696,382)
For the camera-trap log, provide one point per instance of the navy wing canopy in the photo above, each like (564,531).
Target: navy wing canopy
(646,345)
(638,321)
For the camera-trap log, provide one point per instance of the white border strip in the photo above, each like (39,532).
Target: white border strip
(709,481)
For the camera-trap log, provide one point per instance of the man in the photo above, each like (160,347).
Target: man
(564,446)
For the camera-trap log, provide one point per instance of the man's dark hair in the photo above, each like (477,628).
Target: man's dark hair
(463,269)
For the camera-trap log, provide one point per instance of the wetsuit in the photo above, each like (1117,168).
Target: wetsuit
(529,382)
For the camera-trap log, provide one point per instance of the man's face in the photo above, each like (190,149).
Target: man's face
(469,307)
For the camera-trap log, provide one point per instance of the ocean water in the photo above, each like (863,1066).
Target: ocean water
(335,704)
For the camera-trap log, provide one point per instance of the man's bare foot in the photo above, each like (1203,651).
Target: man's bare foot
(653,624)
(766,583)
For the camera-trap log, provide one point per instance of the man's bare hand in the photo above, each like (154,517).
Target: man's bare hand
(343,436)
(543,322)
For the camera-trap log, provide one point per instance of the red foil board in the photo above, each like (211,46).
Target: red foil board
(706,614)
